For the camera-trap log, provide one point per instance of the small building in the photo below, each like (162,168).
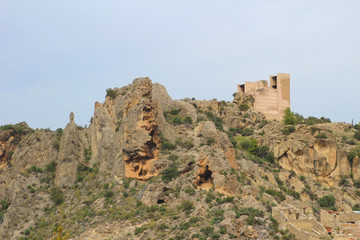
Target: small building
(270,97)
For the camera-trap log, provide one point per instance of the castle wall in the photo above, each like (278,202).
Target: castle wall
(272,99)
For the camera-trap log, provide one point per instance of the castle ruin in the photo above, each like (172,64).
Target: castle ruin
(270,98)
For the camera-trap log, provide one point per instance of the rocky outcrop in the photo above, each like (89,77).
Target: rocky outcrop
(71,153)
(162,168)
(10,137)
(306,154)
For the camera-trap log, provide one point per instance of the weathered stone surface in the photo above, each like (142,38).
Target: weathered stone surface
(250,232)
(70,155)
(302,153)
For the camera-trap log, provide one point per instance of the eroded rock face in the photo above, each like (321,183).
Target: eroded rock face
(307,155)
(70,155)
(127,127)
(10,139)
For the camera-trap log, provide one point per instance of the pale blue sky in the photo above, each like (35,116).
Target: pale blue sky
(60,56)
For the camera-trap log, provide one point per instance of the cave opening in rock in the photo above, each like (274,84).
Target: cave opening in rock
(207,174)
(160,201)
(205,177)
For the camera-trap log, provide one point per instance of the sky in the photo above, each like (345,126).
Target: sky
(61,56)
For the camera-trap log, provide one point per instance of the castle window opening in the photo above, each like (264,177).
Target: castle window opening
(242,87)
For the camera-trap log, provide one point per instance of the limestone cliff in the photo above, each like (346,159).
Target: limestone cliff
(152,167)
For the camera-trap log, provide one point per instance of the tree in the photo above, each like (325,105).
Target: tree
(289,117)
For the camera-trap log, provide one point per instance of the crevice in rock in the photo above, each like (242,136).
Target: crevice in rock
(160,201)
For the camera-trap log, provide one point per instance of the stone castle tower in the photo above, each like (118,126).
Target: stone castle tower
(270,98)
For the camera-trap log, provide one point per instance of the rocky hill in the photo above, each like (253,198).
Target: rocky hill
(150,167)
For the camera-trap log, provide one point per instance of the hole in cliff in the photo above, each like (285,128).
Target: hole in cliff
(205,178)
(207,174)
(160,201)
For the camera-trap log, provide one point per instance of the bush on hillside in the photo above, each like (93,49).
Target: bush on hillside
(111,93)
(327,201)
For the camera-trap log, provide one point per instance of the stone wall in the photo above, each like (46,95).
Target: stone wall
(299,220)
(270,99)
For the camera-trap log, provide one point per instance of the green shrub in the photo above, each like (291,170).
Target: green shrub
(357,135)
(173,157)
(35,170)
(244,107)
(308,191)
(218,215)
(59,131)
(288,130)
(357,184)
(175,111)
(242,131)
(293,193)
(209,197)
(289,117)
(263,123)
(166,144)
(173,117)
(313,120)
(191,191)
(118,123)
(207,230)
(188,144)
(169,174)
(111,93)
(302,178)
(18,128)
(56,144)
(187,206)
(139,230)
(227,199)
(321,135)
(87,154)
(210,141)
(9,156)
(188,120)
(251,213)
(177,121)
(344,182)
(51,167)
(314,130)
(217,120)
(194,220)
(57,196)
(251,146)
(353,153)
(356,207)
(162,227)
(4,205)
(278,195)
(327,201)
(108,194)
